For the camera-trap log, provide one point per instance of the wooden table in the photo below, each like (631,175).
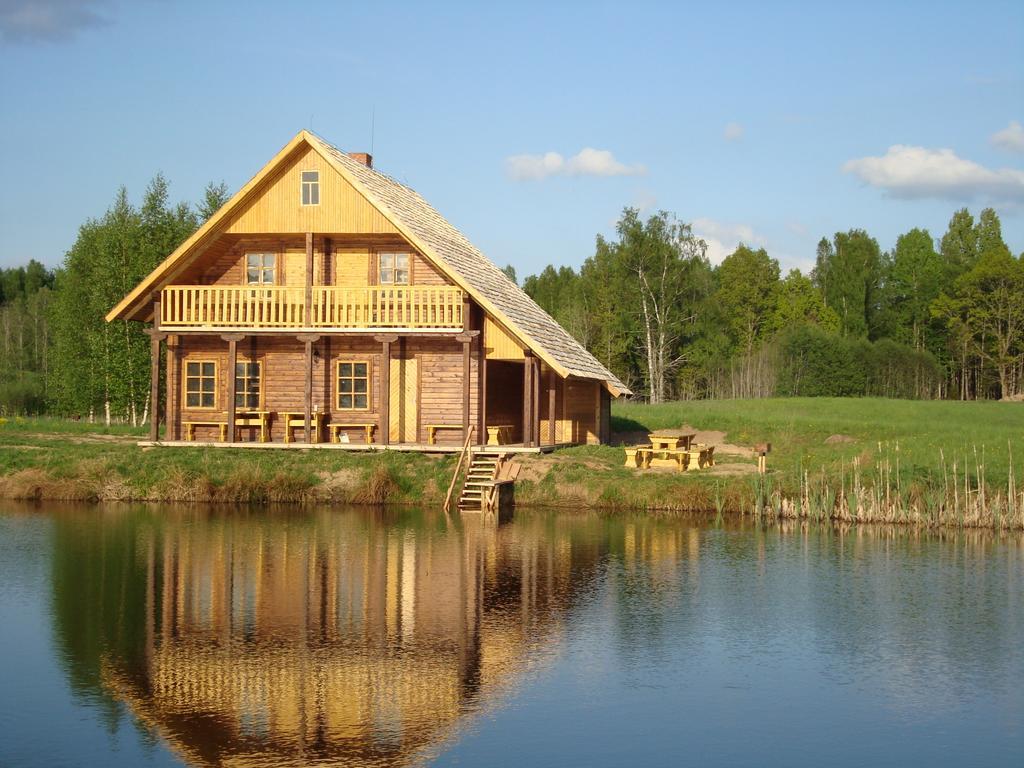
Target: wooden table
(297,420)
(251,418)
(336,429)
(499,434)
(671,440)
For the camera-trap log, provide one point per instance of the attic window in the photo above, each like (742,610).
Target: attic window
(311,187)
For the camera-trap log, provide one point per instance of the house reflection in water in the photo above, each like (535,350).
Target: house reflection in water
(348,636)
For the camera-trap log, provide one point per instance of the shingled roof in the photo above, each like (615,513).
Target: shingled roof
(450,250)
(460,258)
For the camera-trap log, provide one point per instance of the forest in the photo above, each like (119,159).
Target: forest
(929,319)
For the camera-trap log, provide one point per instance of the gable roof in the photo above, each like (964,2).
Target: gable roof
(438,241)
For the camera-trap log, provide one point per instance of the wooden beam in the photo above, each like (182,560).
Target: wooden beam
(527,399)
(173,414)
(465,389)
(154,372)
(309,391)
(536,426)
(385,390)
(481,390)
(308,317)
(232,384)
(552,383)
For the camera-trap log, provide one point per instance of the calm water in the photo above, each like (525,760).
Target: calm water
(133,636)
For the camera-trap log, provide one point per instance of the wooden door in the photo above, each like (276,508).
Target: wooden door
(404,400)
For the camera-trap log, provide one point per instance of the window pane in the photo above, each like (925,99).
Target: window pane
(360,385)
(207,385)
(402,260)
(268,276)
(269,260)
(360,401)
(345,401)
(208,369)
(192,369)
(252,260)
(387,276)
(345,369)
(207,400)
(314,195)
(240,370)
(345,385)
(252,276)
(310,175)
(360,369)
(239,400)
(387,260)
(192,399)
(253,400)
(402,276)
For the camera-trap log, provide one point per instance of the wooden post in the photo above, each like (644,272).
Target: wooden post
(385,387)
(465,389)
(481,407)
(232,384)
(310,339)
(173,415)
(527,398)
(308,317)
(535,407)
(154,372)
(551,404)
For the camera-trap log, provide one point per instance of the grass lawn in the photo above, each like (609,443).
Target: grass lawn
(798,427)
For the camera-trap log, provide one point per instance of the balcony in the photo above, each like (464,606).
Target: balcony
(216,307)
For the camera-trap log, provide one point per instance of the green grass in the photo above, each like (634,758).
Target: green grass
(907,461)
(798,427)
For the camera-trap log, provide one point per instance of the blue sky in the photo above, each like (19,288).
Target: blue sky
(530,126)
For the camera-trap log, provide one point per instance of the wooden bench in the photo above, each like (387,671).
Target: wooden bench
(499,434)
(337,429)
(638,456)
(190,428)
(700,456)
(433,428)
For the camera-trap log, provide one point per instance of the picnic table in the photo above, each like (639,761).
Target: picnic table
(671,439)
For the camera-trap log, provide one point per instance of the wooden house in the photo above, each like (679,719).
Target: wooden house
(328,303)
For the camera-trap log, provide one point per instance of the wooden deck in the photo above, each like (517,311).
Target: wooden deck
(300,446)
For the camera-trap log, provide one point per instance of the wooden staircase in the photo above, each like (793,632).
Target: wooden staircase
(478,487)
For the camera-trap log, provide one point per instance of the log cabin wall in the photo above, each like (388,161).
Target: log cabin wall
(438,388)
(583,407)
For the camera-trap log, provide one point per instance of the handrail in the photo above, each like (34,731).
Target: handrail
(455,475)
(422,307)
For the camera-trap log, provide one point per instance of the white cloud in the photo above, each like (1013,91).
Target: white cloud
(917,172)
(732,132)
(1011,138)
(26,21)
(587,162)
(722,238)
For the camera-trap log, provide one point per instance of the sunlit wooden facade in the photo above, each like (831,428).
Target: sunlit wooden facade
(326,303)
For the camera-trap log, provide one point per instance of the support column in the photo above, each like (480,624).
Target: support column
(481,369)
(535,429)
(528,398)
(154,371)
(385,387)
(173,415)
(309,339)
(232,339)
(551,405)
(308,316)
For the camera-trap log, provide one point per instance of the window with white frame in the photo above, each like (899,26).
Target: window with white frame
(311,187)
(260,268)
(394,269)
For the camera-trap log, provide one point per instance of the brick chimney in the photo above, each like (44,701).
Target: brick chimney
(362,157)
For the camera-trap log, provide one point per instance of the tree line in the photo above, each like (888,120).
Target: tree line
(929,319)
(57,353)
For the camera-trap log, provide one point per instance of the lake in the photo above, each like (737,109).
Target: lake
(166,636)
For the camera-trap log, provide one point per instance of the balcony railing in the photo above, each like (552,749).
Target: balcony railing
(246,306)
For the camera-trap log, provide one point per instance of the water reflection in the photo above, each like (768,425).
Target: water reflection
(290,639)
(376,638)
